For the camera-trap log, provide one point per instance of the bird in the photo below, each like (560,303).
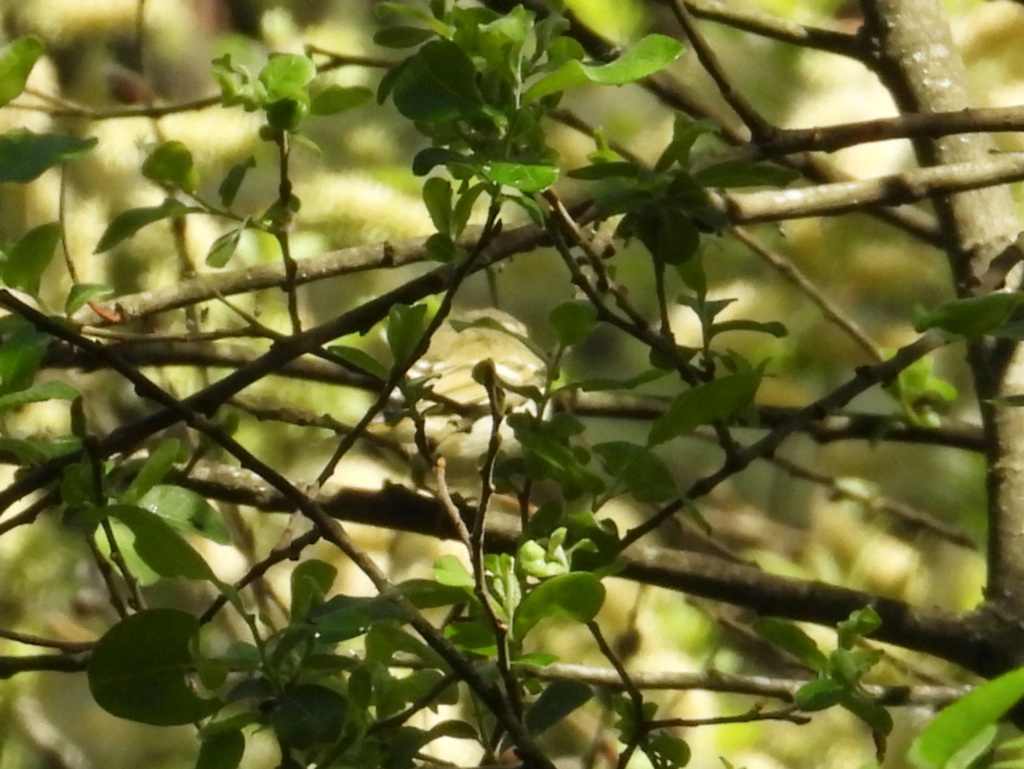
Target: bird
(458,414)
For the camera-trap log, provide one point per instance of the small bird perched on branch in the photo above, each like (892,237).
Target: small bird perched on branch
(477,365)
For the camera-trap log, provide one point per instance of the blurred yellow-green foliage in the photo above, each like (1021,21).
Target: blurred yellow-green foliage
(357,188)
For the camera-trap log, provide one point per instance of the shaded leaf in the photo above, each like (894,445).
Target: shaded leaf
(335,98)
(556,701)
(714,401)
(308,714)
(25,155)
(138,669)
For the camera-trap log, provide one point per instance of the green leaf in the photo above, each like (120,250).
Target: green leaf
(16,62)
(20,356)
(171,164)
(359,359)
(342,617)
(652,53)
(868,711)
(223,248)
(792,639)
(972,317)
(449,571)
(556,701)
(820,694)
(437,195)
(860,623)
(643,474)
(83,293)
(577,596)
(310,582)
(773,328)
(159,546)
(438,84)
(221,750)
(25,155)
(405,330)
(286,76)
(138,669)
(573,321)
(186,510)
(441,248)
(714,401)
(27,259)
(428,594)
(335,98)
(153,470)
(308,714)
(233,179)
(402,37)
(524,177)
(37,393)
(744,173)
(127,223)
(384,9)
(966,721)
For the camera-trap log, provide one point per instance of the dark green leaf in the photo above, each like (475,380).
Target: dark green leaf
(643,474)
(437,195)
(30,256)
(464,207)
(791,638)
(223,248)
(459,730)
(438,84)
(308,714)
(428,159)
(160,547)
(714,401)
(343,616)
(428,594)
(221,750)
(441,248)
(83,293)
(25,155)
(868,711)
(311,580)
(37,393)
(556,701)
(573,321)
(228,189)
(774,328)
(127,223)
(20,356)
(186,510)
(820,694)
(743,173)
(577,596)
(963,721)
(402,37)
(16,62)
(171,164)
(335,98)
(138,669)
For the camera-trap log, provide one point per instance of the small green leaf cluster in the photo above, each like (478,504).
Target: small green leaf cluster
(286,90)
(839,673)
